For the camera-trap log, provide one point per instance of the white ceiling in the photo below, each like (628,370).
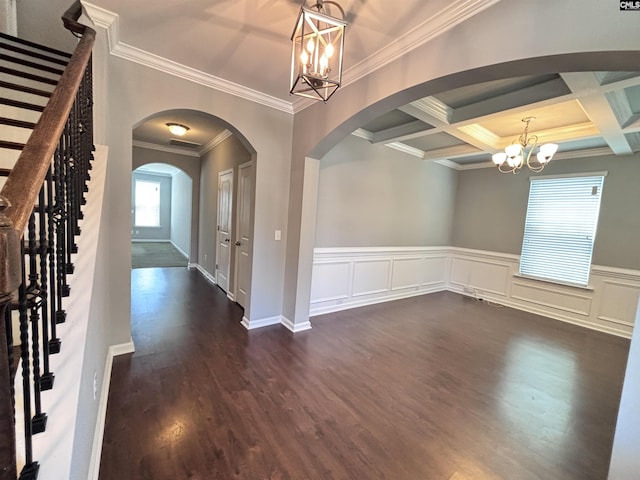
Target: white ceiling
(248,43)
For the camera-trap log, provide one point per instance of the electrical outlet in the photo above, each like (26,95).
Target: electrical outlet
(205,257)
(95,385)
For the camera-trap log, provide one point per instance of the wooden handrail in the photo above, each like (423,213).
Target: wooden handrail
(23,185)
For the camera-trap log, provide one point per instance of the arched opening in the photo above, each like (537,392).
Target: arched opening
(578,82)
(162,197)
(206,211)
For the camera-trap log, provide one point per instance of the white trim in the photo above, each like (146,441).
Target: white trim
(110,21)
(449,164)
(231,296)
(455,13)
(262,322)
(404,148)
(295,327)
(204,273)
(185,254)
(491,276)
(364,134)
(443,20)
(98,436)
(165,148)
(217,140)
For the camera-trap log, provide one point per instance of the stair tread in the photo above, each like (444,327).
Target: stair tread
(12,122)
(24,89)
(30,53)
(44,48)
(29,76)
(19,104)
(30,64)
(11,145)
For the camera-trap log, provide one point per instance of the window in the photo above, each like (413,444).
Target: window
(560,229)
(147,203)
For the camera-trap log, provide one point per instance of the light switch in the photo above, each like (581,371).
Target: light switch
(278,235)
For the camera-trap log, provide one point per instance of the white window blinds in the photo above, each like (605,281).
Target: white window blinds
(560,228)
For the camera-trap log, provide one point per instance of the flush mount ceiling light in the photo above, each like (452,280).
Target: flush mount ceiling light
(316,53)
(519,152)
(177,129)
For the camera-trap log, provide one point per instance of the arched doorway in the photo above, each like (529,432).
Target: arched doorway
(205,149)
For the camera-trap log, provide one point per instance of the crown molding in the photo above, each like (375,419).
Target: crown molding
(217,140)
(434,108)
(165,148)
(403,147)
(482,134)
(448,164)
(456,13)
(110,21)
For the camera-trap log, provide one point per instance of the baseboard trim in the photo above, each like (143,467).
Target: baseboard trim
(98,436)
(204,273)
(262,322)
(231,296)
(363,303)
(186,255)
(295,327)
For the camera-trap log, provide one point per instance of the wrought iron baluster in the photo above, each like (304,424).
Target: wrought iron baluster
(46,379)
(30,465)
(61,240)
(39,420)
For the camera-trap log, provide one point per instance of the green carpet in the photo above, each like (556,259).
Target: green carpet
(156,254)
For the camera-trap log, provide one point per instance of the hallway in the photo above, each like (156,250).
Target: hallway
(432,387)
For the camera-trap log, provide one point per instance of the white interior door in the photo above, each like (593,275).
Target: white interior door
(244,232)
(223,234)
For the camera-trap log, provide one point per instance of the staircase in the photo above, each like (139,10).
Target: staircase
(28,75)
(46,146)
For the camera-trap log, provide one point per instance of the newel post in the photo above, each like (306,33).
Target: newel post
(9,282)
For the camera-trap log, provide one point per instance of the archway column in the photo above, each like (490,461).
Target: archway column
(305,209)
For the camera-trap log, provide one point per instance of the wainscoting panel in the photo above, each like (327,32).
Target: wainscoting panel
(331,281)
(559,297)
(371,276)
(407,273)
(619,302)
(352,277)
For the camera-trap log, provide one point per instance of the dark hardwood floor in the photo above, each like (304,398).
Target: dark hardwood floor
(432,387)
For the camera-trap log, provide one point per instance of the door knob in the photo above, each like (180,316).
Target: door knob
(238,244)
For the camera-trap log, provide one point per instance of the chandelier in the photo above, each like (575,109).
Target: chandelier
(516,155)
(316,54)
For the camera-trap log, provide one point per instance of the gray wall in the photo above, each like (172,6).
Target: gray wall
(54,35)
(181,187)
(370,195)
(491,208)
(228,155)
(163,232)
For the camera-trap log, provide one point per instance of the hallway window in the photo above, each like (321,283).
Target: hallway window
(147,204)
(560,228)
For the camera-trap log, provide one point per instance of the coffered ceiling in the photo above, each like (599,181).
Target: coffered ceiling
(243,46)
(587,114)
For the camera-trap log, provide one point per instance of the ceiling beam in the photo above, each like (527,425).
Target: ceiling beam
(595,104)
